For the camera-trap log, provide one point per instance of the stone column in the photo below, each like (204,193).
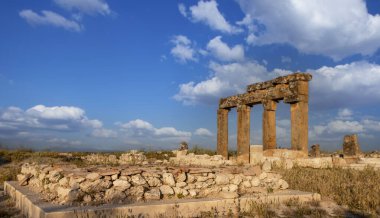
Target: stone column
(243,133)
(222,140)
(269,125)
(299,126)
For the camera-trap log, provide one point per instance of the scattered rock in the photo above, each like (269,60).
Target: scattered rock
(153,194)
(267,166)
(138,180)
(168,179)
(166,190)
(222,179)
(93,176)
(121,184)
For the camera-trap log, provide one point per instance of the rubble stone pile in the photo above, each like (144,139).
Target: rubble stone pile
(67,184)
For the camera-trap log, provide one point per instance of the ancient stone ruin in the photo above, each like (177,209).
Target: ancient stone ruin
(315,151)
(292,89)
(350,145)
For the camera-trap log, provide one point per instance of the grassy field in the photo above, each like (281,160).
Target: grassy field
(358,190)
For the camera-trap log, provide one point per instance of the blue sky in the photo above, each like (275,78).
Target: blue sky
(111,75)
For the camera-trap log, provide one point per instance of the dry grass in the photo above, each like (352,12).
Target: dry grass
(359,190)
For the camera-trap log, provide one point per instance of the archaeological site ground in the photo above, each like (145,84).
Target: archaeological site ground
(256,181)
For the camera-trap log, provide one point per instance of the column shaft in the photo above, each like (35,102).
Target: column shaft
(222,140)
(243,133)
(299,126)
(269,125)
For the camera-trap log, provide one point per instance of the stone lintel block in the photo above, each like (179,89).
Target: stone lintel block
(280,80)
(270,105)
(296,98)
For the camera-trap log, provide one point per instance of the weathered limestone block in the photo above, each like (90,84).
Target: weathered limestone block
(255,154)
(267,166)
(222,179)
(168,179)
(282,184)
(153,181)
(315,151)
(181,177)
(166,190)
(136,191)
(317,163)
(138,180)
(114,195)
(121,184)
(153,194)
(67,195)
(351,145)
(93,176)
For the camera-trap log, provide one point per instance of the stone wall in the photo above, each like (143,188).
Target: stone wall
(191,159)
(132,157)
(67,184)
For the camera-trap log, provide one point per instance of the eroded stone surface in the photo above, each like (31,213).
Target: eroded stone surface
(84,187)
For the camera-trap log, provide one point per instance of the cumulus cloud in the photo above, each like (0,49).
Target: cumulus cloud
(183,49)
(345,85)
(225,79)
(223,52)
(145,133)
(60,118)
(345,113)
(207,12)
(90,7)
(104,133)
(49,18)
(182,9)
(333,28)
(203,132)
(331,87)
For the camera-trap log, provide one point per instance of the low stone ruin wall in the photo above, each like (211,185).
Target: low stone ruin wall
(191,159)
(132,157)
(67,184)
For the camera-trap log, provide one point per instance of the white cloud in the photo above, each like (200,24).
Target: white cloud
(371,125)
(207,12)
(223,52)
(182,9)
(336,29)
(226,79)
(60,112)
(90,7)
(183,50)
(145,133)
(60,118)
(203,132)
(50,18)
(331,87)
(104,133)
(285,59)
(345,85)
(345,113)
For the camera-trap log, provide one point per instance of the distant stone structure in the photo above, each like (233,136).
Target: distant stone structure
(350,145)
(315,151)
(183,146)
(292,89)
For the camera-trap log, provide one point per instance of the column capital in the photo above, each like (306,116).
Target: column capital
(243,107)
(270,105)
